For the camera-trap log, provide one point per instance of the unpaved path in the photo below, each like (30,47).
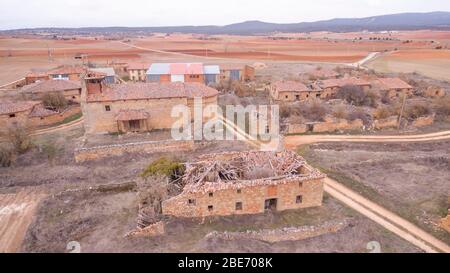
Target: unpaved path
(292,142)
(371,210)
(62,127)
(16,214)
(386,218)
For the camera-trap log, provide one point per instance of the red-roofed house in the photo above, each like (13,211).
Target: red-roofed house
(137,71)
(332,86)
(394,87)
(138,107)
(70,89)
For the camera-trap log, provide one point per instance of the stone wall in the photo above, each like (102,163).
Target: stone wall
(251,196)
(336,125)
(297,128)
(95,153)
(56,118)
(156,229)
(423,121)
(282,235)
(391,122)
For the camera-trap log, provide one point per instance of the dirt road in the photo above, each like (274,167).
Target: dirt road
(16,214)
(291,142)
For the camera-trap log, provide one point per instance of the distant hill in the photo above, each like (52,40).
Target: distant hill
(402,21)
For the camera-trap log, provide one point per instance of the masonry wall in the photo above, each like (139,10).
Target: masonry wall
(20,119)
(252,197)
(95,153)
(53,119)
(70,95)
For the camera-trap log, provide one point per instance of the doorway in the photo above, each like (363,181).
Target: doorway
(271,204)
(135,125)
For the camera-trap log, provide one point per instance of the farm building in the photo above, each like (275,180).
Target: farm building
(73,73)
(242,183)
(176,72)
(35,77)
(137,71)
(237,72)
(212,73)
(295,91)
(332,86)
(110,74)
(137,107)
(394,87)
(70,89)
(30,114)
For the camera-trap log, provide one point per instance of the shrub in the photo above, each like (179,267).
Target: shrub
(340,112)
(360,114)
(6,156)
(163,166)
(20,139)
(357,96)
(443,106)
(54,100)
(384,112)
(416,110)
(314,111)
(50,150)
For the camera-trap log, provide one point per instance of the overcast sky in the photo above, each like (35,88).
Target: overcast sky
(82,13)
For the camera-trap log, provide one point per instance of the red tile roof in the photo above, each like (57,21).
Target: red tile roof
(290,86)
(125,115)
(138,91)
(51,86)
(393,83)
(343,82)
(11,107)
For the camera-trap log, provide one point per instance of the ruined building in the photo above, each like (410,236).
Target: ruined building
(242,183)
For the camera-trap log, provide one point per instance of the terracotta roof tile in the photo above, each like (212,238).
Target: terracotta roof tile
(11,107)
(290,86)
(67,70)
(41,111)
(125,115)
(51,86)
(136,91)
(342,82)
(138,66)
(393,83)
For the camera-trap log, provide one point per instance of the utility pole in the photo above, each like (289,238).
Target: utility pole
(401,112)
(49,53)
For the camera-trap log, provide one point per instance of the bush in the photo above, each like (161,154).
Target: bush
(384,112)
(313,111)
(7,156)
(340,112)
(360,114)
(416,110)
(443,106)
(20,139)
(50,150)
(163,166)
(54,100)
(357,96)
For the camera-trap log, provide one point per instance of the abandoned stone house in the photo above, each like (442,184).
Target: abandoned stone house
(394,87)
(29,114)
(70,89)
(240,183)
(236,72)
(137,71)
(33,77)
(289,91)
(137,107)
(332,86)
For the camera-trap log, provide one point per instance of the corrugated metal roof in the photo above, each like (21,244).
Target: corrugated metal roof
(109,71)
(159,69)
(211,69)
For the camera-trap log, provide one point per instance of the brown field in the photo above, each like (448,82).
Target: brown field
(429,62)
(20,55)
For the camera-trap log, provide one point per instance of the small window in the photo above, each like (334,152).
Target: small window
(191,202)
(12,115)
(107,108)
(287,97)
(239,191)
(297,97)
(299,199)
(300,184)
(210,208)
(73,97)
(239,206)
(267,129)
(211,194)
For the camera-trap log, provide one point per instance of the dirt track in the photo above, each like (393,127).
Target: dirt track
(16,214)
